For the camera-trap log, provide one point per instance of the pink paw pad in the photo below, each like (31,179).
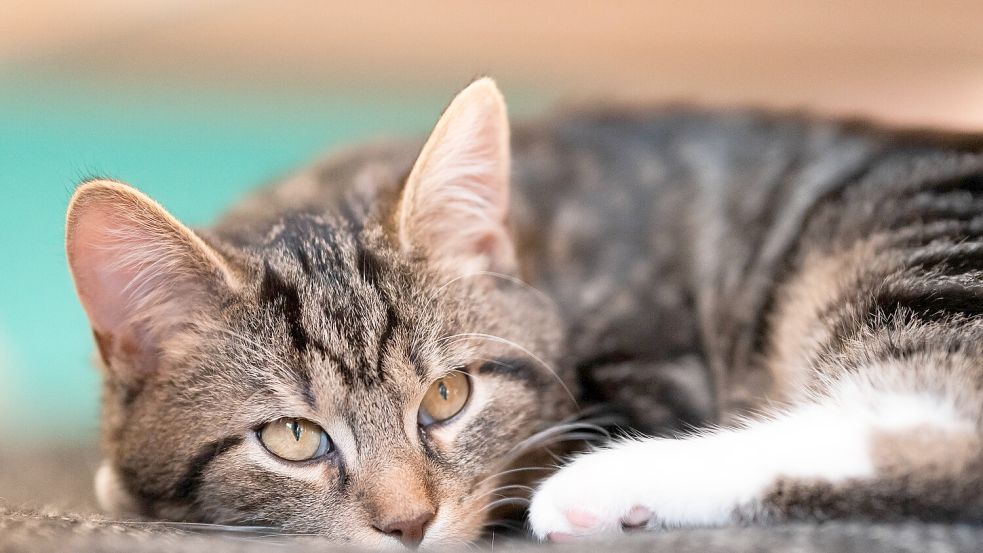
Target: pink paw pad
(580,519)
(638,516)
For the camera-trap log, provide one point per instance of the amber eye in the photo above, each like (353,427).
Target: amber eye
(445,398)
(295,439)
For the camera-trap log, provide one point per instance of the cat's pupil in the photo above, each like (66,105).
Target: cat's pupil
(295,428)
(442,389)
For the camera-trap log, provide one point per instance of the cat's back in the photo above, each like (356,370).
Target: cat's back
(664,234)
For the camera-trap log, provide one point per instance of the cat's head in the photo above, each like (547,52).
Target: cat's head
(359,375)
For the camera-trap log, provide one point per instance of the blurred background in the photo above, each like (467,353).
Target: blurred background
(196,101)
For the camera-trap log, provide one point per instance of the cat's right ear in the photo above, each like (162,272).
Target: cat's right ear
(139,273)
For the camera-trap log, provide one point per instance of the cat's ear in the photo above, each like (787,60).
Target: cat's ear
(455,202)
(139,273)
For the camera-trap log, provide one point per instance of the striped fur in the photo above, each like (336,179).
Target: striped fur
(686,268)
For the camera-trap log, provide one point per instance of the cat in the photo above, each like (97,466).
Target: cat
(789,307)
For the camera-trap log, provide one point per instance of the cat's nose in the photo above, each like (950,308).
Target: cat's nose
(409,529)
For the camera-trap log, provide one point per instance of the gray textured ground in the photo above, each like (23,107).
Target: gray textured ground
(38,487)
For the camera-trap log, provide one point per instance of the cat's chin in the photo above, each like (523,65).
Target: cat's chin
(111,493)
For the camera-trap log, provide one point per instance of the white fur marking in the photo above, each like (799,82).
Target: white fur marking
(701,480)
(110,493)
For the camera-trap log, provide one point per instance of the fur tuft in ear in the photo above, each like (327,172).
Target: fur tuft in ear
(455,203)
(138,271)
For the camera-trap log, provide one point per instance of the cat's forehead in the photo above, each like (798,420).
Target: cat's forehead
(343,307)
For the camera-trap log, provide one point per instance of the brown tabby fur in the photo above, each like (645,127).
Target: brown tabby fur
(694,264)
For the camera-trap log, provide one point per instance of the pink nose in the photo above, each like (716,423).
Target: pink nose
(408,529)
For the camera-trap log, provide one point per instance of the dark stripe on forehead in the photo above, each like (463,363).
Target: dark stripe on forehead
(356,436)
(344,369)
(417,362)
(373,270)
(392,321)
(306,388)
(277,293)
(187,486)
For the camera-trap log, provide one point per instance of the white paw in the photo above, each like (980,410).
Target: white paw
(590,496)
(648,484)
(704,480)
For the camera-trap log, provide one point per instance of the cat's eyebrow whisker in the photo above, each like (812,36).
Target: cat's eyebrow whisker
(504,341)
(514,280)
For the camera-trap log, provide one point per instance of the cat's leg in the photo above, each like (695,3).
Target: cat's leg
(810,461)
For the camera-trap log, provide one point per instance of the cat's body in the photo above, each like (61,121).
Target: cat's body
(694,267)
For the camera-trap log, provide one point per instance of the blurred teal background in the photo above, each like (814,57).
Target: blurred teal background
(194,149)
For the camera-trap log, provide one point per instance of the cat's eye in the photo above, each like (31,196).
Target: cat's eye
(445,398)
(295,439)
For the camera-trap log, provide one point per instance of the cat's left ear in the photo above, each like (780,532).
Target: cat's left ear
(141,275)
(455,203)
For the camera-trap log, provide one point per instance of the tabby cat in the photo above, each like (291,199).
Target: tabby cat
(367,349)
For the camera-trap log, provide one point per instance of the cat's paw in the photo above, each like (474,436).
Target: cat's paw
(649,484)
(592,496)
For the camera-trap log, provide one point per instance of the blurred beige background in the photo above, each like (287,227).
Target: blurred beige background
(913,62)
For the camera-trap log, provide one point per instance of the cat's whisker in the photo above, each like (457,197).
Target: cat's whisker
(543,443)
(558,430)
(510,527)
(504,523)
(502,489)
(521,501)
(546,444)
(448,339)
(259,531)
(506,472)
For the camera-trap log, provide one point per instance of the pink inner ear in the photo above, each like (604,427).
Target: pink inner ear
(105,259)
(461,195)
(97,252)
(131,262)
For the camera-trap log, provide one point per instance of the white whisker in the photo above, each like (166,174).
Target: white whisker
(502,489)
(511,471)
(504,501)
(514,280)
